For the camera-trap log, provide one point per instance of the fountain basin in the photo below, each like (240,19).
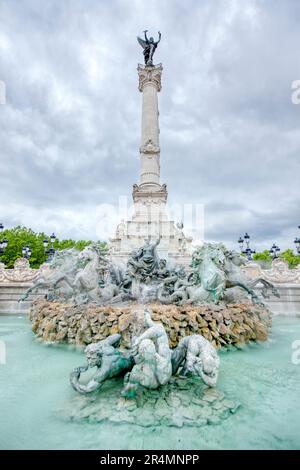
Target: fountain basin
(34,384)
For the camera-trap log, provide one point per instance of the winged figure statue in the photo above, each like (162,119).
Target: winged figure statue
(149,46)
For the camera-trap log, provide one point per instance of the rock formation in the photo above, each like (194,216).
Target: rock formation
(222,325)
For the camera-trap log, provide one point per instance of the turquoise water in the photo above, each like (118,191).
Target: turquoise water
(34,386)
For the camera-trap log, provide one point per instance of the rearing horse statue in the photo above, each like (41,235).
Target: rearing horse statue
(215,271)
(235,277)
(85,285)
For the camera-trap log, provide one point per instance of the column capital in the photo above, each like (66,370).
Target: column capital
(150,75)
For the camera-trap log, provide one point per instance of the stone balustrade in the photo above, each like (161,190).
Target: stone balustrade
(287,282)
(14,283)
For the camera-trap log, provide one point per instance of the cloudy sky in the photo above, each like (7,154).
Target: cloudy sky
(70,128)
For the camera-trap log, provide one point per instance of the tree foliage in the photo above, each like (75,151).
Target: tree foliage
(262,256)
(291,258)
(288,255)
(18,237)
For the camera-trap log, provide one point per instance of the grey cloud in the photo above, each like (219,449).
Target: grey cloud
(70,130)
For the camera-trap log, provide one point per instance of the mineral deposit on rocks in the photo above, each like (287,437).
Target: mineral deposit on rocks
(222,325)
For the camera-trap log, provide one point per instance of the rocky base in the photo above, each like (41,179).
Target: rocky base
(223,325)
(182,402)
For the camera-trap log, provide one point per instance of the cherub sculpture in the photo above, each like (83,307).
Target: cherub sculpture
(149,46)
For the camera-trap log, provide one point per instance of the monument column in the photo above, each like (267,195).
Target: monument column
(150,218)
(150,85)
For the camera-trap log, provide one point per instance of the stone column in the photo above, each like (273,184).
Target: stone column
(150,85)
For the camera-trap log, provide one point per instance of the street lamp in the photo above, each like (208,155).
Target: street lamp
(3,243)
(274,250)
(247,251)
(51,250)
(241,243)
(297,243)
(26,252)
(3,246)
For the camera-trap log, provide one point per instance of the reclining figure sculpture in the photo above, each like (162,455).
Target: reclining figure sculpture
(195,355)
(107,358)
(150,363)
(152,357)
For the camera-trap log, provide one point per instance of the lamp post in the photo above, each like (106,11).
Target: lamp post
(241,243)
(297,243)
(26,251)
(51,251)
(3,243)
(247,251)
(274,250)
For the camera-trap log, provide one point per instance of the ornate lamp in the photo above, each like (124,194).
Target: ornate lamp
(241,243)
(3,243)
(297,243)
(274,250)
(248,252)
(247,238)
(51,250)
(26,251)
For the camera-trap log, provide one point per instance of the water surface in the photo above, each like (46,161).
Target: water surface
(34,386)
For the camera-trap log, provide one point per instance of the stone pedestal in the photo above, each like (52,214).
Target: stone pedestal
(150,218)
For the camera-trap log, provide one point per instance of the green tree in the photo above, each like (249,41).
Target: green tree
(262,256)
(65,244)
(265,258)
(18,237)
(291,258)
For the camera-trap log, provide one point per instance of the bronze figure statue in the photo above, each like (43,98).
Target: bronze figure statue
(149,46)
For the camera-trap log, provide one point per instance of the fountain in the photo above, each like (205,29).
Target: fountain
(91,297)
(151,327)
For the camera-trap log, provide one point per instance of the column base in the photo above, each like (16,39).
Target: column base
(149,193)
